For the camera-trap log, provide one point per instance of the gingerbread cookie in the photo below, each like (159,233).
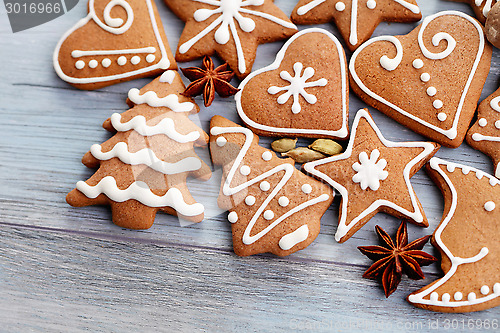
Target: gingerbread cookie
(492,26)
(231,29)
(273,206)
(467,238)
(441,67)
(484,135)
(118,41)
(373,175)
(144,166)
(303,93)
(481,7)
(355,19)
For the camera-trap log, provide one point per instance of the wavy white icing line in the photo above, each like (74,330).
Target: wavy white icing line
(229,11)
(450,133)
(227,190)
(455,261)
(141,192)
(165,126)
(340,133)
(416,215)
(164,63)
(288,241)
(151,98)
(147,157)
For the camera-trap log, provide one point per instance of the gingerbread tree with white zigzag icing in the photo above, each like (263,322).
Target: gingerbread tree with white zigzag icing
(143,168)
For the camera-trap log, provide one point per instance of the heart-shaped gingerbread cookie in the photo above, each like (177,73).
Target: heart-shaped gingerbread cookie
(303,93)
(429,80)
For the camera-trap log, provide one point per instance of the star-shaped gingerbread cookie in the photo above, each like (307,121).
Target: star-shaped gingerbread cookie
(355,19)
(230,28)
(373,175)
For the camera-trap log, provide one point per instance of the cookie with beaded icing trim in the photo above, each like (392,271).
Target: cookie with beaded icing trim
(232,29)
(355,19)
(143,168)
(440,67)
(484,135)
(273,207)
(119,40)
(467,239)
(303,93)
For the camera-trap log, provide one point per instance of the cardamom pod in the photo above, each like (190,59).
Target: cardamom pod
(326,146)
(283,145)
(303,155)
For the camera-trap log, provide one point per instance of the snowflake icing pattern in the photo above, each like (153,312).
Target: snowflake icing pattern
(297,86)
(370,172)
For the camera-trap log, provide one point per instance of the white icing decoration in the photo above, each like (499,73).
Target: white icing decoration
(431,91)
(487,5)
(166,126)
(391,64)
(221,141)
(245,170)
(371,4)
(150,58)
(495,104)
(425,77)
(435,164)
(115,26)
(497,124)
(268,215)
(106,62)
(445,298)
(232,217)
(250,200)
(450,133)
(482,122)
(416,215)
(288,241)
(418,63)
(147,157)
(93,63)
(480,137)
(370,171)
(283,201)
(227,190)
(151,98)
(229,12)
(168,77)
(135,60)
(485,290)
(297,86)
(341,132)
(489,206)
(458,296)
(265,186)
(141,192)
(437,104)
(267,156)
(80,64)
(442,116)
(306,188)
(80,53)
(340,6)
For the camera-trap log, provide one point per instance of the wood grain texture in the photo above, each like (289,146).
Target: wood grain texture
(66,267)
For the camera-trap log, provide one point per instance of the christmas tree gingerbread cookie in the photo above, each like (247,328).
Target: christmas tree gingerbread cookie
(231,29)
(467,239)
(273,206)
(119,40)
(143,168)
(373,175)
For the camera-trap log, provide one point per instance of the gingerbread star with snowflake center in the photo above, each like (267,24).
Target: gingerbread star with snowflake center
(230,28)
(355,19)
(373,175)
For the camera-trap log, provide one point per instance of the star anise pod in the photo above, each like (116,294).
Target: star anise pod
(207,81)
(392,259)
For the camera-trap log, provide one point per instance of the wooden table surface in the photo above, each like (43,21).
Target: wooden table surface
(64,267)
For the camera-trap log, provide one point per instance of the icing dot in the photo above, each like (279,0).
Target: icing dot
(268,215)
(425,77)
(265,186)
(135,60)
(458,296)
(489,206)
(250,200)
(465,171)
(496,288)
(232,217)
(245,170)
(150,58)
(371,4)
(418,63)
(283,201)
(438,104)
(122,60)
(446,297)
(431,91)
(482,122)
(497,124)
(340,6)
(267,156)
(93,63)
(471,297)
(442,116)
(221,141)
(485,290)
(434,296)
(80,64)
(306,188)
(106,62)
(479,175)
(450,167)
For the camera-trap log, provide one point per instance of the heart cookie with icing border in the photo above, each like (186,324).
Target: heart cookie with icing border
(303,93)
(119,40)
(429,80)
